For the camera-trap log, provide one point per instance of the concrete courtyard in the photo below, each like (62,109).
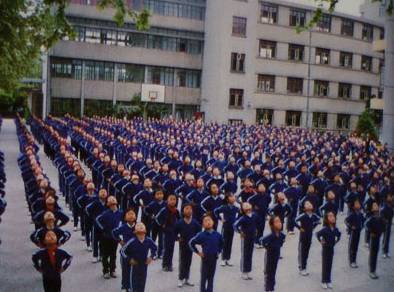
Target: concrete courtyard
(17,273)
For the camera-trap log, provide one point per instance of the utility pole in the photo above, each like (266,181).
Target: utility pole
(309,77)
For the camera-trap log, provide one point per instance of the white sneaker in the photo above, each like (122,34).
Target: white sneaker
(353,265)
(180,283)
(329,285)
(89,249)
(75,229)
(228,263)
(324,285)
(188,283)
(95,260)
(304,273)
(244,276)
(223,264)
(106,276)
(386,256)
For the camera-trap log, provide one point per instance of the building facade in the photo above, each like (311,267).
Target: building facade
(233,60)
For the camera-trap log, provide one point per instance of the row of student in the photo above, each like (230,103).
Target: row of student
(3,179)
(47,216)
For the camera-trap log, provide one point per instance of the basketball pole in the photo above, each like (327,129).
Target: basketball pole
(145,113)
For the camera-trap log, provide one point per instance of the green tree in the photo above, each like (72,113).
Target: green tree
(366,127)
(27,27)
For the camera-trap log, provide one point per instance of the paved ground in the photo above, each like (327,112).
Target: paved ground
(17,273)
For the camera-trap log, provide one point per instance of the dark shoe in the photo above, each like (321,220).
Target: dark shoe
(113,275)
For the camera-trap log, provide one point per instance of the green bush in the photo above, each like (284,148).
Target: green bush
(366,126)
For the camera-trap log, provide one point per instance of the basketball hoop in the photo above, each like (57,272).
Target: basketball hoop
(153,95)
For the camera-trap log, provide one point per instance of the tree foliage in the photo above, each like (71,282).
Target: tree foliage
(366,126)
(28,27)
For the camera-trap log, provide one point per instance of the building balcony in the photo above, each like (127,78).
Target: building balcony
(133,55)
(91,11)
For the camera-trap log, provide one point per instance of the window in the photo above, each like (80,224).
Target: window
(269,13)
(297,17)
(295,85)
(131,39)
(66,68)
(346,59)
(347,27)
(108,37)
(365,92)
(160,75)
(95,70)
(264,116)
(343,121)
(322,56)
(296,52)
(239,26)
(267,49)
(92,36)
(175,9)
(131,73)
(367,34)
(381,33)
(236,98)
(321,88)
(266,83)
(293,118)
(366,63)
(345,90)
(237,62)
(188,78)
(324,24)
(319,120)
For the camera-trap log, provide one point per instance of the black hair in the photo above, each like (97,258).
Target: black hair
(325,218)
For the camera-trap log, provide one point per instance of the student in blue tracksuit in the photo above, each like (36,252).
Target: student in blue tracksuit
(328,236)
(386,212)
(293,195)
(152,210)
(272,243)
(227,213)
(329,205)
(281,209)
(246,227)
(93,210)
(106,222)
(167,219)
(354,223)
(211,243)
(305,222)
(185,229)
(123,234)
(86,223)
(210,203)
(38,236)
(139,252)
(260,204)
(375,225)
(51,262)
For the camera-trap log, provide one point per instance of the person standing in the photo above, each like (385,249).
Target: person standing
(108,221)
(51,262)
(139,252)
(211,243)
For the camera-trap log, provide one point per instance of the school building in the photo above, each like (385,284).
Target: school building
(229,60)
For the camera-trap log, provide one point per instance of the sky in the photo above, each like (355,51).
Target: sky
(345,6)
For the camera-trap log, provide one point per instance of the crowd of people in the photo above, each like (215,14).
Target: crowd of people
(3,179)
(46,214)
(157,182)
